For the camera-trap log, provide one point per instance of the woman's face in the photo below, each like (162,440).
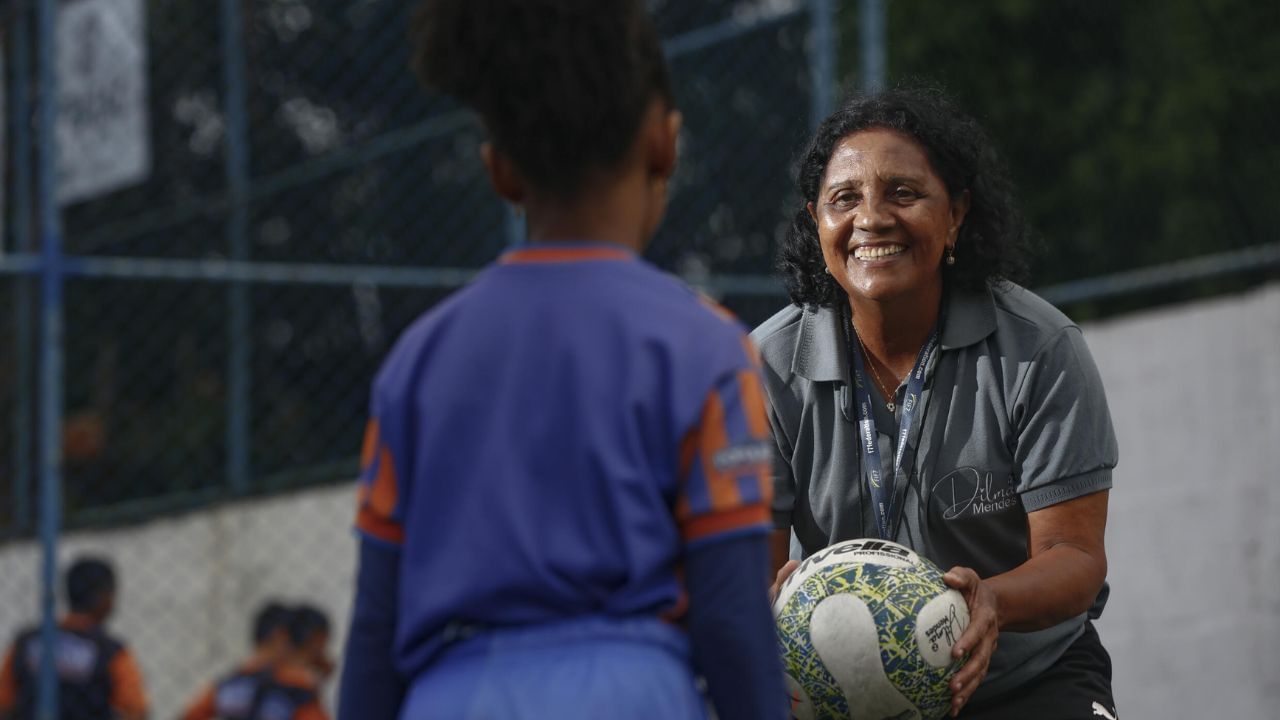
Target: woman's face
(884,216)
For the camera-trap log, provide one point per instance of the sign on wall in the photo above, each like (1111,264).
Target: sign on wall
(103,128)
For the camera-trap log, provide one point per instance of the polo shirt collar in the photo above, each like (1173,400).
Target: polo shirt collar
(971,317)
(820,347)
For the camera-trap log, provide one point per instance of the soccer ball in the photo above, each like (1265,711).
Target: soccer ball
(867,628)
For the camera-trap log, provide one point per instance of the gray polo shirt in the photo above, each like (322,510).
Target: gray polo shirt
(1014,420)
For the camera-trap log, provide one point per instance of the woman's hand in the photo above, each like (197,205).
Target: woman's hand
(1061,579)
(784,572)
(978,639)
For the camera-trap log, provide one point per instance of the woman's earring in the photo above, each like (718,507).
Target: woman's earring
(951,255)
(826,269)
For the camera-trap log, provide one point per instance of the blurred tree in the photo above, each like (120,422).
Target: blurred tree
(1138,132)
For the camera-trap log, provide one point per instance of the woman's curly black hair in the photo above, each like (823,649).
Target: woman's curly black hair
(561,86)
(993,244)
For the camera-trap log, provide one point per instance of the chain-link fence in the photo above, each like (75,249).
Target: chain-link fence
(301,200)
(297,200)
(350,172)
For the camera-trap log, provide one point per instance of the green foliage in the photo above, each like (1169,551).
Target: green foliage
(1138,132)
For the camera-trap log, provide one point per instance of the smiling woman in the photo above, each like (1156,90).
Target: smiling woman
(884,217)
(919,395)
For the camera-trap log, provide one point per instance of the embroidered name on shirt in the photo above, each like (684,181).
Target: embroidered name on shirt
(970,492)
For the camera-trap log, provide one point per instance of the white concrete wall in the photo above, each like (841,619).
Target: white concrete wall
(1194,533)
(189,586)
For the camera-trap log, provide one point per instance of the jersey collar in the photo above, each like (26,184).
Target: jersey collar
(565,252)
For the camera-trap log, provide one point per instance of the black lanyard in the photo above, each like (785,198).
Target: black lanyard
(882,493)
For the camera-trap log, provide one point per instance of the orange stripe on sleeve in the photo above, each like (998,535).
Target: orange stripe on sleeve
(385,492)
(755,409)
(688,454)
(368,453)
(743,517)
(753,404)
(370,445)
(379,527)
(753,352)
(689,451)
(722,487)
(127,693)
(764,479)
(8,683)
(378,499)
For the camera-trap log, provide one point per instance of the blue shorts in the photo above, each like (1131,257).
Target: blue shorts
(582,669)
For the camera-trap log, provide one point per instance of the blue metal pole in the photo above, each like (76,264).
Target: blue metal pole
(50,385)
(872,27)
(822,14)
(20,129)
(237,172)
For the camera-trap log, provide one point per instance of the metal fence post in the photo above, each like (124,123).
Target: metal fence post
(237,172)
(20,124)
(822,14)
(50,385)
(872,31)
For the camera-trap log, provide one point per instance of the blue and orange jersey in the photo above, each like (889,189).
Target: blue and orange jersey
(257,691)
(97,674)
(547,443)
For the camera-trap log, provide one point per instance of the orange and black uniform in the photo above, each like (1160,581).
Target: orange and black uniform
(254,692)
(97,675)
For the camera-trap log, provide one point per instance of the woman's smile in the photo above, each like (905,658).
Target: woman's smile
(871,253)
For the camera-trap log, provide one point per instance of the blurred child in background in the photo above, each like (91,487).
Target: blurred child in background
(309,632)
(280,680)
(98,678)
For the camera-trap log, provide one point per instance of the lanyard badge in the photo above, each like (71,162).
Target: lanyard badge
(880,488)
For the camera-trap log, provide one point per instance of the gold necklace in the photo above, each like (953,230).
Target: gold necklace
(889,396)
